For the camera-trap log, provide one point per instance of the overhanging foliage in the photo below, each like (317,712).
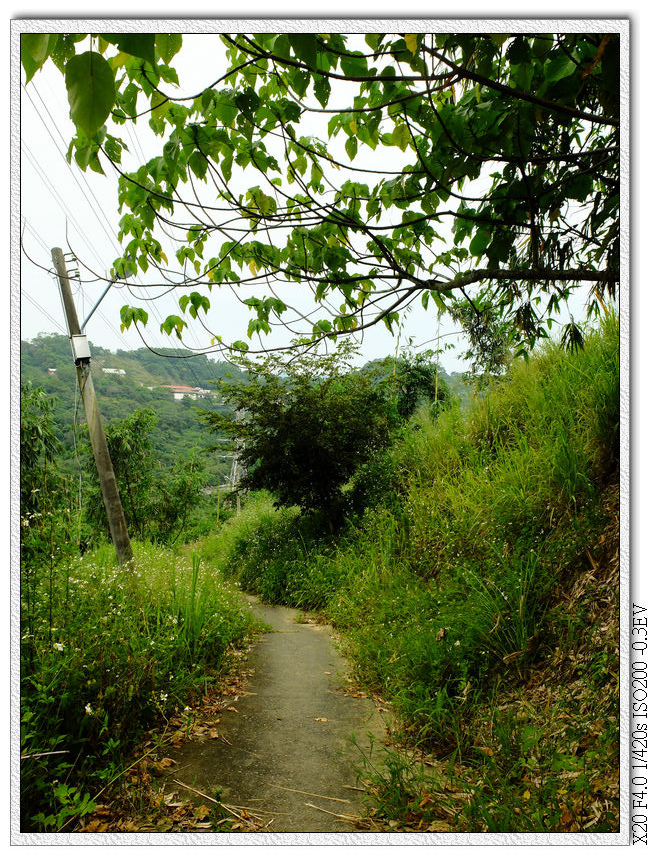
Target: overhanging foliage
(367,171)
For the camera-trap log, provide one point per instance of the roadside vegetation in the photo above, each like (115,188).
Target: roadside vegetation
(478,593)
(105,652)
(472,573)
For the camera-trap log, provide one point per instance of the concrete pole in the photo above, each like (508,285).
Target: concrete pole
(107,481)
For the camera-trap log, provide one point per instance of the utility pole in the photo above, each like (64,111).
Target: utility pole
(81,355)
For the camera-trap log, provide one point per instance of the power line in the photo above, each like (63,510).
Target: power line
(97,208)
(44,312)
(50,186)
(110,232)
(37,237)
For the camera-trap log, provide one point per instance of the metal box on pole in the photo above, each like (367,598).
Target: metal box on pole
(80,347)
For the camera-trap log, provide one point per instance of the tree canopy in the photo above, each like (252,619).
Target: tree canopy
(302,429)
(331,180)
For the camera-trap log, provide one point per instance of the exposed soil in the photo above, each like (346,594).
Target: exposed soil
(282,753)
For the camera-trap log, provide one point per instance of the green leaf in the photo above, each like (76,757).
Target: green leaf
(141,45)
(522,75)
(199,301)
(34,50)
(130,314)
(304,47)
(173,322)
(542,44)
(94,164)
(128,99)
(91,90)
(354,67)
(351,146)
(299,80)
(224,107)
(226,166)
(199,164)
(247,102)
(499,249)
(559,67)
(64,48)
(126,317)
(322,89)
(401,136)
(480,242)
(159,108)
(168,45)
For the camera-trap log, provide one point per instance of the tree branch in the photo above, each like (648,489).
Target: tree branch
(521,94)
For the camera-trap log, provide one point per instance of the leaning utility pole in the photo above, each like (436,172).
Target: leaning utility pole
(81,355)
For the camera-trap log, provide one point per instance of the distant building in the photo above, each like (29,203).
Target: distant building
(52,370)
(181,390)
(113,371)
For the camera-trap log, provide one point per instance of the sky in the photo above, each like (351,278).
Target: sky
(64,207)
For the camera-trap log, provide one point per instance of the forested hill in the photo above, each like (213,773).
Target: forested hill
(142,366)
(46,361)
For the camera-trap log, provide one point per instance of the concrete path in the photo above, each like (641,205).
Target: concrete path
(287,749)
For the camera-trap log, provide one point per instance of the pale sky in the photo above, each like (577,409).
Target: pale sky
(62,206)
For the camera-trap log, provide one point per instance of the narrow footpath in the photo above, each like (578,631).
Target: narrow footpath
(287,750)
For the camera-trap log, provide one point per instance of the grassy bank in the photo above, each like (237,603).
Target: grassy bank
(455,591)
(105,654)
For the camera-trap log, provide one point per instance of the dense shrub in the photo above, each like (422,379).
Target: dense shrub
(302,429)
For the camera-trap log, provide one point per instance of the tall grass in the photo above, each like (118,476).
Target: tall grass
(442,589)
(106,654)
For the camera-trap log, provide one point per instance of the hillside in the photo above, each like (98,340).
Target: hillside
(46,361)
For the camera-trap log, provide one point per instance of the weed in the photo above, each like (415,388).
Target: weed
(108,657)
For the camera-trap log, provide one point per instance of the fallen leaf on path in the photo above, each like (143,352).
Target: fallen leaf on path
(159,767)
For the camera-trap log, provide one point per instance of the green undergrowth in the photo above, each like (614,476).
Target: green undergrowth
(446,587)
(106,653)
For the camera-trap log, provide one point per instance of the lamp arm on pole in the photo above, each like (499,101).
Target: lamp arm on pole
(104,293)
